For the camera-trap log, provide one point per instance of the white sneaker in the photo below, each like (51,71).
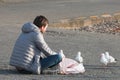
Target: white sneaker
(36,68)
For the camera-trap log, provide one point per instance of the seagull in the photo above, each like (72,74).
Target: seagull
(79,58)
(103,59)
(110,58)
(107,55)
(61,53)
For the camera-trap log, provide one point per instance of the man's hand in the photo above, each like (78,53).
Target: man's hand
(61,53)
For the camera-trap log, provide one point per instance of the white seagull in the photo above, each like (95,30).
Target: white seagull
(79,58)
(110,58)
(103,59)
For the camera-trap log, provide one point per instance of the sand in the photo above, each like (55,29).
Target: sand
(14,15)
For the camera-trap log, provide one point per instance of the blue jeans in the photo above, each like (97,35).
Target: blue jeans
(50,61)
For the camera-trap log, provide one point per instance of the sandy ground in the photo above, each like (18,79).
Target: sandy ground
(13,15)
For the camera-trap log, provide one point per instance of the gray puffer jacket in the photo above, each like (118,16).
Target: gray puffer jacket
(29,43)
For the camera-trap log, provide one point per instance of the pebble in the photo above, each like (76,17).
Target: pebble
(110,27)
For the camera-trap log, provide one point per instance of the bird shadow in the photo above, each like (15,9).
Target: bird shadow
(101,67)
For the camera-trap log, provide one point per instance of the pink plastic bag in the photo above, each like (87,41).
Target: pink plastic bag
(70,66)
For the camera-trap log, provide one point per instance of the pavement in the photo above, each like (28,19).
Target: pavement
(14,15)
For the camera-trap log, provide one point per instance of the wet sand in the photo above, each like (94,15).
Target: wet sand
(13,15)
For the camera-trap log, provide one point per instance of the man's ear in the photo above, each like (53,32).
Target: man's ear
(42,27)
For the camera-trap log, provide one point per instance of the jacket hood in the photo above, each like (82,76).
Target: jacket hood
(30,27)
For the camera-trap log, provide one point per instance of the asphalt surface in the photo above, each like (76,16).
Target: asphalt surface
(14,15)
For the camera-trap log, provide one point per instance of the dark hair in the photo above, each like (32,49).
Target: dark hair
(40,21)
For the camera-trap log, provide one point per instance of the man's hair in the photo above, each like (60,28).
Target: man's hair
(40,21)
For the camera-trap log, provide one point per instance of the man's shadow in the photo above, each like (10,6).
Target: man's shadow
(8,71)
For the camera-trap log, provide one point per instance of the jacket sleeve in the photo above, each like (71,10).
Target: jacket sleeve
(42,45)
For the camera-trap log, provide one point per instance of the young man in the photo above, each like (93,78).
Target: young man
(31,43)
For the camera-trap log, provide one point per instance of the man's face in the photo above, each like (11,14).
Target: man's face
(44,28)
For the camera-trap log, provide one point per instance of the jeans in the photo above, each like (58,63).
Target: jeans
(50,61)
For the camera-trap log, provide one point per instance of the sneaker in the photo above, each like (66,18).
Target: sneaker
(36,68)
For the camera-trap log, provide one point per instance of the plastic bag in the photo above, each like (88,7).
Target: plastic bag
(70,66)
